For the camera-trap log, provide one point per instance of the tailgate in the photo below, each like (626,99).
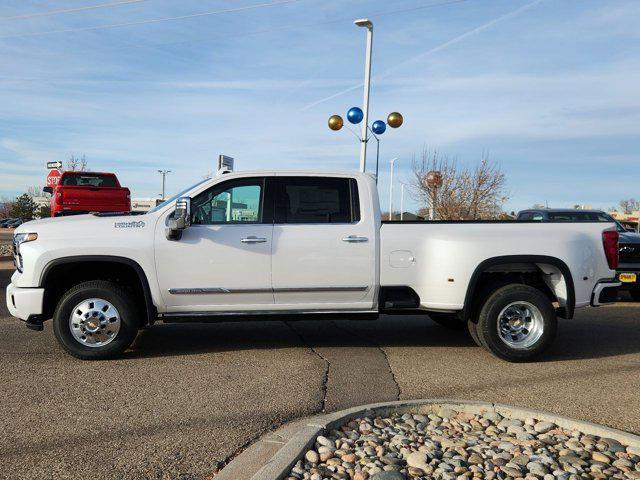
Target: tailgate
(95,198)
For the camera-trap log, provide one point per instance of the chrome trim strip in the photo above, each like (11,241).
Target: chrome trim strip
(320,289)
(215,290)
(198,290)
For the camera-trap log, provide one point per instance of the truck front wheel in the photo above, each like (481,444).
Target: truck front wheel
(96,320)
(517,323)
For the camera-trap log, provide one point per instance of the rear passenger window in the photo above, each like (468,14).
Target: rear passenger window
(317,200)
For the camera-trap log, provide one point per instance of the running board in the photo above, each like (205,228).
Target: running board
(276,315)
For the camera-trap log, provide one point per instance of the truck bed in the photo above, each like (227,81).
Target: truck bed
(438,259)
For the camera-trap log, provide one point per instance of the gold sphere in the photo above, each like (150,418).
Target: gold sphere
(335,122)
(394,120)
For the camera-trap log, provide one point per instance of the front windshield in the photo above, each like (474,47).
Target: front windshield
(176,196)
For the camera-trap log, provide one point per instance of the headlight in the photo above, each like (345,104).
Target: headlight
(19,239)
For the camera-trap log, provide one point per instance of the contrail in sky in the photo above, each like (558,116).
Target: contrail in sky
(431,51)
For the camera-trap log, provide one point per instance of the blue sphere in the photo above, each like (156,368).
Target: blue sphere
(355,115)
(379,127)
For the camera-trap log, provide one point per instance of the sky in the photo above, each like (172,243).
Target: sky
(549,89)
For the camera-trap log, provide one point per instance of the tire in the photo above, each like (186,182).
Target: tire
(635,295)
(450,321)
(102,313)
(528,319)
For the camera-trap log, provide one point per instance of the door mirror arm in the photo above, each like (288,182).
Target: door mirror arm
(179,220)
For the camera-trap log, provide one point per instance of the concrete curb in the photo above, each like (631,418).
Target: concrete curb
(273,455)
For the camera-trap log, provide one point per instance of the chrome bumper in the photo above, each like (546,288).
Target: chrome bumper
(605,293)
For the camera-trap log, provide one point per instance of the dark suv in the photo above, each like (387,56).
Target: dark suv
(628,271)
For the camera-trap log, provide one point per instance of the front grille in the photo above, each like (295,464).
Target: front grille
(15,254)
(629,253)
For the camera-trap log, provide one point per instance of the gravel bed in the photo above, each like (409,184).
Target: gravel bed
(459,446)
(6,250)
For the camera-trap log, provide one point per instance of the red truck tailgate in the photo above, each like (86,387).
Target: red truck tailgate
(95,198)
(83,192)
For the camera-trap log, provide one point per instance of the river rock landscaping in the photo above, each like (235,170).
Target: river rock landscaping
(458,446)
(5,250)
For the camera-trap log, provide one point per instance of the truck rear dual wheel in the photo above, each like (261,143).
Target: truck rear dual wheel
(516,323)
(96,320)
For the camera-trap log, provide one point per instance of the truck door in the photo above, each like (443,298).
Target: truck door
(223,260)
(324,248)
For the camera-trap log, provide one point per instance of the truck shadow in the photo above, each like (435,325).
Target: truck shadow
(594,333)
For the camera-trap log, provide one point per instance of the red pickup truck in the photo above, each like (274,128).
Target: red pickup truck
(85,192)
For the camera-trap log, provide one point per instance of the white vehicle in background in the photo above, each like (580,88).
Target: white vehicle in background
(292,245)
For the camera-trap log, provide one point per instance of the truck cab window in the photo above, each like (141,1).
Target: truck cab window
(317,200)
(238,201)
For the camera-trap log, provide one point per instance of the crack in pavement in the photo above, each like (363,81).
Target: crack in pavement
(358,372)
(382,350)
(325,380)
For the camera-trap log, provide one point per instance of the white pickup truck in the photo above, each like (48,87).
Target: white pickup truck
(298,245)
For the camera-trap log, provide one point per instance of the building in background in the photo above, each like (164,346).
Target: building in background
(627,219)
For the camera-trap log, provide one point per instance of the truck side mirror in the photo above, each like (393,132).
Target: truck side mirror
(179,219)
(48,190)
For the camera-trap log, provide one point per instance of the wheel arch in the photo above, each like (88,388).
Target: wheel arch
(78,260)
(565,311)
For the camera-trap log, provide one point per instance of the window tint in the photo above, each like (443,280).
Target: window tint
(235,201)
(525,216)
(89,180)
(578,216)
(317,200)
(568,217)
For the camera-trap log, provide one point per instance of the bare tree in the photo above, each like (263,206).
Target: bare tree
(6,207)
(77,164)
(36,191)
(630,205)
(465,194)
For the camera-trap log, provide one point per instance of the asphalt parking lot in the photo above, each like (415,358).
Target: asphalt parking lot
(186,398)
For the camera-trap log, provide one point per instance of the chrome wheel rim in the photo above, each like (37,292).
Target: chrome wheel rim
(520,325)
(94,322)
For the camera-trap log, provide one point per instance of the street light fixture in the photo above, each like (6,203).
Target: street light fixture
(392,162)
(355,115)
(365,23)
(164,174)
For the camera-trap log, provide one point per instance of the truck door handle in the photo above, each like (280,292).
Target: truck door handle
(252,239)
(355,239)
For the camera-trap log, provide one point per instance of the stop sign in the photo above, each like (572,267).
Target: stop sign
(53,178)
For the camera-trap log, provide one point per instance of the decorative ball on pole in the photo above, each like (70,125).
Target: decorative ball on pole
(378,127)
(335,122)
(355,115)
(394,120)
(433,179)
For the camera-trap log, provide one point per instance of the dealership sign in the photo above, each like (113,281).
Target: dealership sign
(53,178)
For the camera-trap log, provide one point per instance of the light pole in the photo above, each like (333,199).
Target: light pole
(164,174)
(356,115)
(392,162)
(366,23)
(401,201)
